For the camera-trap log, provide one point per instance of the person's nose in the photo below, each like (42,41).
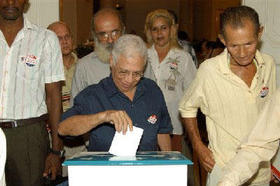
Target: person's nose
(129,78)
(159,31)
(110,39)
(64,40)
(242,51)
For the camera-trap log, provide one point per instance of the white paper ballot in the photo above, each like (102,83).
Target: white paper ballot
(126,145)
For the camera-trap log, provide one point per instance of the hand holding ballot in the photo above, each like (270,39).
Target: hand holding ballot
(119,119)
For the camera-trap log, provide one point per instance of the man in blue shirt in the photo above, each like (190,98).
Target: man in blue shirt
(121,101)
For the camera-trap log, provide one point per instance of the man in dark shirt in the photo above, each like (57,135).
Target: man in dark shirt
(121,101)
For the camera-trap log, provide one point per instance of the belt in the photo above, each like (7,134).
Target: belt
(23,122)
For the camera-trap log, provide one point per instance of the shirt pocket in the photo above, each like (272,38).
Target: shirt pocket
(28,67)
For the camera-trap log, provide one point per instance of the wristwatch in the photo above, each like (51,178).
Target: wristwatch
(60,153)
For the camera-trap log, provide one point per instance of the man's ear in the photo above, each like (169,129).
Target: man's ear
(222,39)
(260,33)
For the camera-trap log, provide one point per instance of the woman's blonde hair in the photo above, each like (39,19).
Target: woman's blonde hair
(151,17)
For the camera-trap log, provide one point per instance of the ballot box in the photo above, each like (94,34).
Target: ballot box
(144,169)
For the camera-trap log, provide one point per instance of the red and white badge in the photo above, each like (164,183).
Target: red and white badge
(152,119)
(29,60)
(264,92)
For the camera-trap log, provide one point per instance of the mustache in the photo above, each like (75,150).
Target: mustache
(10,8)
(109,46)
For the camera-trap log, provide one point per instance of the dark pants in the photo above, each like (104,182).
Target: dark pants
(27,149)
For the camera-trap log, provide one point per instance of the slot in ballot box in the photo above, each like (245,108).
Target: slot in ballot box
(144,169)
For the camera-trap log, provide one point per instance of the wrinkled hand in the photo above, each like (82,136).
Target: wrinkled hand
(119,119)
(205,157)
(52,166)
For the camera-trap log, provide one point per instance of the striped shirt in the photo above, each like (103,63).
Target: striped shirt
(230,106)
(33,59)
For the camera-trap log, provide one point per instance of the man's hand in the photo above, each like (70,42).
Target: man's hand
(119,119)
(52,166)
(205,157)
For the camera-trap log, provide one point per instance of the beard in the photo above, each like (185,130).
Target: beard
(103,51)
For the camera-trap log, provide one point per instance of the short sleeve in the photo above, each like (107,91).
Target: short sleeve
(52,59)
(194,96)
(78,82)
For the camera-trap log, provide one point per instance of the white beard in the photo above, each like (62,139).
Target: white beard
(103,51)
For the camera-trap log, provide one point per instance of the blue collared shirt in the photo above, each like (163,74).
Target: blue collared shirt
(147,111)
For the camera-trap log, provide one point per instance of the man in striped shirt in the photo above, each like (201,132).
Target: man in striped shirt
(231,90)
(30,93)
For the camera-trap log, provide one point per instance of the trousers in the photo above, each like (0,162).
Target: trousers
(27,149)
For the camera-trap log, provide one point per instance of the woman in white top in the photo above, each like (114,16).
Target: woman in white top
(2,157)
(173,67)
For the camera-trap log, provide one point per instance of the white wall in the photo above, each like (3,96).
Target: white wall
(269,15)
(43,12)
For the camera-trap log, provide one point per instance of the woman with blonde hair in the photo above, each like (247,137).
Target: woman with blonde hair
(173,67)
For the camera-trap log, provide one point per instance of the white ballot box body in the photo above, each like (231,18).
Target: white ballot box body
(146,168)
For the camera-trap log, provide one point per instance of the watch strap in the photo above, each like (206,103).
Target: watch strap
(58,152)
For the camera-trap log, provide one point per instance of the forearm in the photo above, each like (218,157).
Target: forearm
(80,124)
(164,142)
(193,132)
(54,106)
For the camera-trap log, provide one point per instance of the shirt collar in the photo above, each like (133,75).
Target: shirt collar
(27,24)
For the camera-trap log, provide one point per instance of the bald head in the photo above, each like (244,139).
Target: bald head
(58,24)
(63,33)
(107,15)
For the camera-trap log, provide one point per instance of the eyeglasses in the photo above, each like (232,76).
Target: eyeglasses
(105,35)
(126,73)
(66,37)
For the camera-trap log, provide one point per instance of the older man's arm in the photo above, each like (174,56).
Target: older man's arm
(80,124)
(205,155)
(164,142)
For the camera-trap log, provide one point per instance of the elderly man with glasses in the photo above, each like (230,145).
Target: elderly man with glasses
(121,101)
(107,28)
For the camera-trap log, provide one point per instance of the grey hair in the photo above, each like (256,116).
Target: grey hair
(127,45)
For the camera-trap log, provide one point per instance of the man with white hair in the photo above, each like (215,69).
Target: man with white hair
(121,101)
(107,28)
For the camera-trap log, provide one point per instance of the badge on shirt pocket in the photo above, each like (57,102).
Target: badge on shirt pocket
(29,60)
(264,91)
(152,119)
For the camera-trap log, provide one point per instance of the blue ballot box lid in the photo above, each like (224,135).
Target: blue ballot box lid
(141,158)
